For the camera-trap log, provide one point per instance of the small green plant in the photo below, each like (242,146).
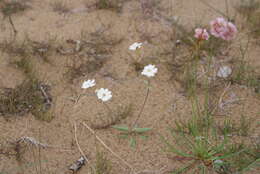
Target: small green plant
(131,133)
(201,146)
(133,130)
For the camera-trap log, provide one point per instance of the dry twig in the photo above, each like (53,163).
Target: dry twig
(109,149)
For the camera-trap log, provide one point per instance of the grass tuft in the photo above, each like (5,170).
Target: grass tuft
(9,8)
(102,164)
(25,98)
(60,7)
(114,5)
(250,10)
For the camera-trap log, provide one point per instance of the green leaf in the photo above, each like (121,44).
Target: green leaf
(132,142)
(121,128)
(228,155)
(253,164)
(141,130)
(185,168)
(125,136)
(143,137)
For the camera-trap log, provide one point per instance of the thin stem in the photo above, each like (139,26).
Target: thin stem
(142,108)
(12,24)
(227,9)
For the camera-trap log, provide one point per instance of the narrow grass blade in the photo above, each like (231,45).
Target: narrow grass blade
(184,169)
(253,164)
(141,130)
(121,128)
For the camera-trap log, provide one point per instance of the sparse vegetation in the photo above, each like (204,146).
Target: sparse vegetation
(60,7)
(96,47)
(250,10)
(114,5)
(9,8)
(146,44)
(102,164)
(28,48)
(23,99)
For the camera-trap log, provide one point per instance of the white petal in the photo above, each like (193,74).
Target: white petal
(224,72)
(134,46)
(149,70)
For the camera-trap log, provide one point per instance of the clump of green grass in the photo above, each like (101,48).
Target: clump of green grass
(205,149)
(24,64)
(26,97)
(102,164)
(60,7)
(244,74)
(248,159)
(241,128)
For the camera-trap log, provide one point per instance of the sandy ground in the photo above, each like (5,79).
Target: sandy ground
(165,103)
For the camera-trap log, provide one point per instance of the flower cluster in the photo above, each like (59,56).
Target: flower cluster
(102,94)
(201,34)
(105,94)
(219,28)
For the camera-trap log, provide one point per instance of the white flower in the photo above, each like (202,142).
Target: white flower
(104,94)
(135,45)
(224,71)
(149,70)
(88,84)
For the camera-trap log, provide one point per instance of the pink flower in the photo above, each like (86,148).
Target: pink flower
(218,27)
(221,28)
(230,33)
(201,34)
